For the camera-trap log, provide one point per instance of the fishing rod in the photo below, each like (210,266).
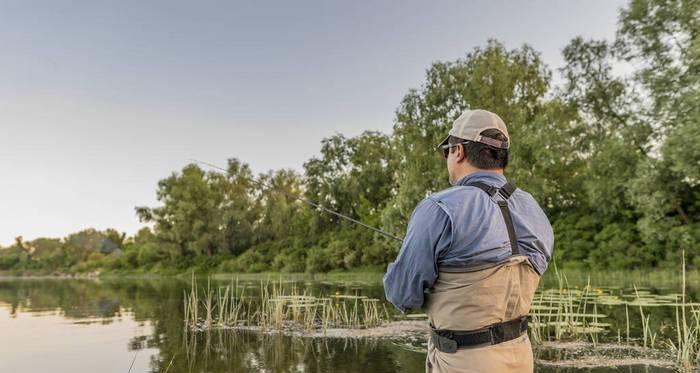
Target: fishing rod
(314,204)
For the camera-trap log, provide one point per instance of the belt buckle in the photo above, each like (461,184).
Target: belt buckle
(444,344)
(497,335)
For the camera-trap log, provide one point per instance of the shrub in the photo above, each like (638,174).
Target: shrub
(8,261)
(290,261)
(317,260)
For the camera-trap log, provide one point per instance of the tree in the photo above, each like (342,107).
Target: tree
(511,83)
(277,204)
(353,176)
(663,38)
(205,212)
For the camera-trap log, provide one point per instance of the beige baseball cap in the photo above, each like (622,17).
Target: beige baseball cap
(471,123)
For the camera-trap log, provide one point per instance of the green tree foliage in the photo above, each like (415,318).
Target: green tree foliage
(78,252)
(612,155)
(353,176)
(642,140)
(356,177)
(663,38)
(278,207)
(205,213)
(511,83)
(548,133)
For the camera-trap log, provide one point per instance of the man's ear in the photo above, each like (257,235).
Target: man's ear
(460,152)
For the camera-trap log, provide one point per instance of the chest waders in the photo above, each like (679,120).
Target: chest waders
(478,315)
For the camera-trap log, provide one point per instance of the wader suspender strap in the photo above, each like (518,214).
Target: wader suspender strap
(505,191)
(451,340)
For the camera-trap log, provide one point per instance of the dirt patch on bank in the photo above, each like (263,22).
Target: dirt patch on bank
(393,329)
(587,355)
(413,335)
(390,329)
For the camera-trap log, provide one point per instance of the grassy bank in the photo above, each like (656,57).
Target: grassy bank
(660,278)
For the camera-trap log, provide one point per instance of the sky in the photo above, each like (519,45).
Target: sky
(101,99)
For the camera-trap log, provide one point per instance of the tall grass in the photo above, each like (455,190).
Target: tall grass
(277,308)
(563,313)
(687,343)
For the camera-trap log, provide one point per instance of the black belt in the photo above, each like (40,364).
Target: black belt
(451,340)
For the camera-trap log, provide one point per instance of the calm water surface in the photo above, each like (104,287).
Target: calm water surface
(108,325)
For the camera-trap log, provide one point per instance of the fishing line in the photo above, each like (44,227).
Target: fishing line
(314,204)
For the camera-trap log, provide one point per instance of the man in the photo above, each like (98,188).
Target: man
(473,255)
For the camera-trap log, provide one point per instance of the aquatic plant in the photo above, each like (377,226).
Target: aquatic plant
(562,313)
(687,344)
(278,309)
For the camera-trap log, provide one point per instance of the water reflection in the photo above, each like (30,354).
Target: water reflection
(239,351)
(104,325)
(47,342)
(146,316)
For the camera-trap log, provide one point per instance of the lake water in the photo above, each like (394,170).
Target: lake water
(122,325)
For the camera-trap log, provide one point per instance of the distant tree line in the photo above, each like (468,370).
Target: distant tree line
(612,153)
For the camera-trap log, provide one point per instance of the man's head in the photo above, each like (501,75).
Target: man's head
(477,141)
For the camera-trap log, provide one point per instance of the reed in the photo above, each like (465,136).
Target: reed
(627,321)
(687,344)
(278,309)
(191,303)
(133,361)
(209,305)
(537,325)
(561,313)
(646,331)
(170,364)
(565,314)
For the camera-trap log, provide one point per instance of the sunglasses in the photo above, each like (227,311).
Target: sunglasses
(446,148)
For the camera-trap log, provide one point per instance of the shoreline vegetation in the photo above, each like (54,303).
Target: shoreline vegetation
(560,317)
(665,278)
(582,351)
(574,322)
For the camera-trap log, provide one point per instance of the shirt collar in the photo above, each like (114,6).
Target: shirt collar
(491,178)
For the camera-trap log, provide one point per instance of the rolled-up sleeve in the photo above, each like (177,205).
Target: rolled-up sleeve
(415,269)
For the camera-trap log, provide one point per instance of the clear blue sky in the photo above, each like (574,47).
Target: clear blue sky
(99,100)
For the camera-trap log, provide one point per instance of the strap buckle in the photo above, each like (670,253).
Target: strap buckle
(444,343)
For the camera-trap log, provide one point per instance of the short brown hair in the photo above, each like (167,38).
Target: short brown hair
(481,155)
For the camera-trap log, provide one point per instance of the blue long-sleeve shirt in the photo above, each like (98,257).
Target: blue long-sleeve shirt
(483,238)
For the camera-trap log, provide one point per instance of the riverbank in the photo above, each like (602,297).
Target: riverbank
(666,278)
(369,274)
(413,336)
